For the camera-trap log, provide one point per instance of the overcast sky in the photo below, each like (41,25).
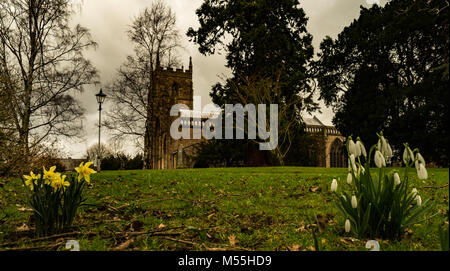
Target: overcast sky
(108,21)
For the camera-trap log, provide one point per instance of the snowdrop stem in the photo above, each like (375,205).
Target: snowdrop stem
(370,154)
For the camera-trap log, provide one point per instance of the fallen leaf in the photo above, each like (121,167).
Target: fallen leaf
(24,227)
(125,244)
(161,226)
(314,189)
(232,239)
(294,248)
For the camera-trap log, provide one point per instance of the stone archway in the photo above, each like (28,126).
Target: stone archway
(337,154)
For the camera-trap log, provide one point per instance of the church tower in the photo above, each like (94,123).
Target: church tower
(173,86)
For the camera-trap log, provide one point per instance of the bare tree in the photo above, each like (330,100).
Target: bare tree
(42,65)
(156,39)
(92,151)
(259,90)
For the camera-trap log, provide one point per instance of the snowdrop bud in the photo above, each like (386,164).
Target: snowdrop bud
(347,225)
(414,192)
(396,179)
(354,202)
(345,198)
(361,170)
(351,147)
(349,178)
(353,163)
(334,185)
(362,148)
(379,159)
(422,172)
(419,201)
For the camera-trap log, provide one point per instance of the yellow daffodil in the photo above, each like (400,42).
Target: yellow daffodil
(49,175)
(84,171)
(59,182)
(30,180)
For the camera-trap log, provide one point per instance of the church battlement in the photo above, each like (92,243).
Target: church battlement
(172,71)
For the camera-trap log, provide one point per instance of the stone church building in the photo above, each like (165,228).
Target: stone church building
(175,87)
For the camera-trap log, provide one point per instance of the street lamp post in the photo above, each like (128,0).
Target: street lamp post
(100,99)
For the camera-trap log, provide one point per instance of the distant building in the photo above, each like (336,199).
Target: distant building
(175,87)
(332,153)
(70,164)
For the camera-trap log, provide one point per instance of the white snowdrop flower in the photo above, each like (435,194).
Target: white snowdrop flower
(347,225)
(334,185)
(384,147)
(422,172)
(349,178)
(357,149)
(396,179)
(373,245)
(362,148)
(351,147)
(379,159)
(414,191)
(354,202)
(389,150)
(408,155)
(419,200)
(419,158)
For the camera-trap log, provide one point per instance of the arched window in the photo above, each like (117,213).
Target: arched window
(175,89)
(337,154)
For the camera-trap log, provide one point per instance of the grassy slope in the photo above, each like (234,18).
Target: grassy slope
(262,208)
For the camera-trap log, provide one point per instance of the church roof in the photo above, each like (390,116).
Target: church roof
(313,121)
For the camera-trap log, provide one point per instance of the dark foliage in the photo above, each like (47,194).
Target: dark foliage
(388,71)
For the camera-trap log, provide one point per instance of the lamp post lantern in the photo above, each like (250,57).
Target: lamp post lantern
(100,99)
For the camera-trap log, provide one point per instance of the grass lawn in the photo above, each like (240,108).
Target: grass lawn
(215,209)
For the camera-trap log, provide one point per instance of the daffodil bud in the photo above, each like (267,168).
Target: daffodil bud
(347,225)
(379,159)
(354,202)
(349,178)
(422,172)
(334,185)
(396,179)
(419,200)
